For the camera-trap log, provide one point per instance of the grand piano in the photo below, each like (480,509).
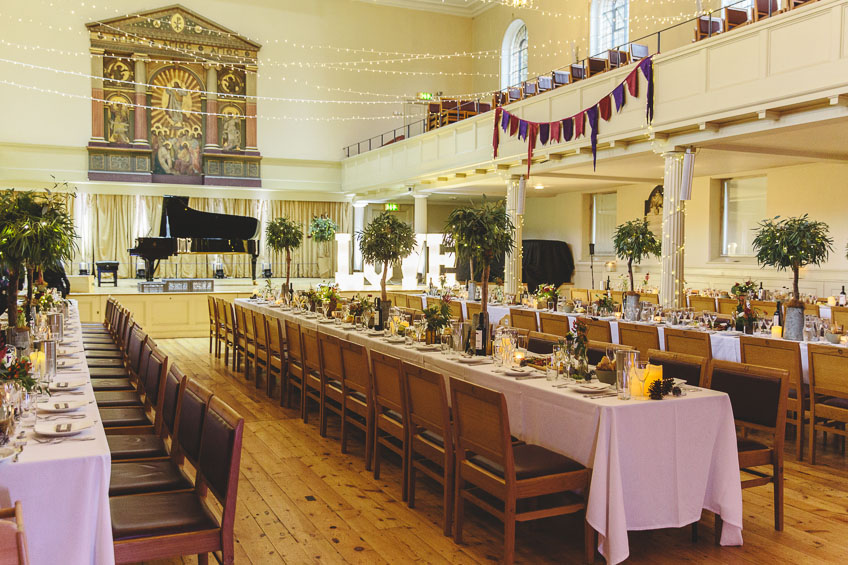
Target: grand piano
(184,230)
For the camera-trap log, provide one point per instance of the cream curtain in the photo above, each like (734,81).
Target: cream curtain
(108,226)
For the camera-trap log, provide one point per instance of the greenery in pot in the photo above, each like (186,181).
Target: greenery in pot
(322,229)
(384,241)
(283,234)
(36,232)
(634,241)
(438,315)
(792,243)
(482,233)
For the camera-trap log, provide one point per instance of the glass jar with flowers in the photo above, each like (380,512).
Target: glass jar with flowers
(745,317)
(744,290)
(546,295)
(329,296)
(606,305)
(579,350)
(438,317)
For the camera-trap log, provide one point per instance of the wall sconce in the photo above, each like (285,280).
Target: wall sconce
(610,266)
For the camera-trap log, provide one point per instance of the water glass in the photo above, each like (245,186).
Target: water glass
(625,359)
(446,340)
(551,368)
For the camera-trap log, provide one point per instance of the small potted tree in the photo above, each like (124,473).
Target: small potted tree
(322,230)
(483,233)
(283,234)
(634,241)
(792,243)
(384,241)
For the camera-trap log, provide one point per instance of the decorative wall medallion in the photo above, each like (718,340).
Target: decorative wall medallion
(177,22)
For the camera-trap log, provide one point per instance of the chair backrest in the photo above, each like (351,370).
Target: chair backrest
(221,311)
(388,384)
(727,305)
(828,370)
(220,457)
(580,294)
(596,65)
(545,83)
(246,322)
(258,321)
(542,343)
(764,307)
(472,308)
(357,369)
(811,309)
(427,401)
(651,297)
(577,71)
(330,351)
(618,58)
(192,415)
(734,17)
(136,341)
(688,342)
(638,51)
(154,378)
(709,26)
(757,394)
(13,542)
(764,8)
(555,324)
(839,315)
(481,424)
(229,317)
(595,294)
(523,319)
(293,339)
(702,303)
(530,88)
(690,368)
(514,93)
(639,336)
(274,331)
(561,78)
(213,311)
(309,346)
(174,384)
(595,350)
(456,310)
(598,330)
(775,353)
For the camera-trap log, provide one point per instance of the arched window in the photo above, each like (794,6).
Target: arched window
(514,54)
(609,24)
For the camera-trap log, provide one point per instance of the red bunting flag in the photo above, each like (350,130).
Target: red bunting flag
(513,125)
(632,82)
(555,131)
(579,125)
(605,106)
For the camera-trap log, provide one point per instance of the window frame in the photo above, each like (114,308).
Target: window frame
(515,54)
(600,40)
(724,210)
(593,222)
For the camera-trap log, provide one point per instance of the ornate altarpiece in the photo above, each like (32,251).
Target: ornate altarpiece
(176,101)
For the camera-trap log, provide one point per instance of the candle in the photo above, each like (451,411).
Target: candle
(518,357)
(831,301)
(776,331)
(652,373)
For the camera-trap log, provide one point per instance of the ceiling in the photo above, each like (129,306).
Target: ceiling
(466,8)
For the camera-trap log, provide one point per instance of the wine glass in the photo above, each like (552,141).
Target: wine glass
(767,322)
(325,308)
(639,368)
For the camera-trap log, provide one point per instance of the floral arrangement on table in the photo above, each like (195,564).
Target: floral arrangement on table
(312,296)
(443,279)
(606,305)
(438,315)
(546,292)
(745,317)
(20,321)
(621,284)
(328,293)
(645,282)
(19,372)
(579,341)
(358,305)
(496,296)
(743,290)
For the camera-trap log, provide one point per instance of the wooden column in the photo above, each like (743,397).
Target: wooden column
(97,96)
(140,99)
(211,107)
(250,108)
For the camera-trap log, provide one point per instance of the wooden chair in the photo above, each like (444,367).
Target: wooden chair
(391,417)
(758,397)
(275,362)
(596,294)
(651,297)
(782,354)
(764,9)
(580,294)
(332,375)
(839,316)
(514,94)
(638,51)
(147,417)
(688,342)
(598,330)
(221,317)
(489,466)
(545,83)
(702,303)
(231,334)
(294,365)
(810,309)
(798,3)
(542,343)
(523,319)
(456,310)
(312,385)
(617,296)
(691,368)
(561,78)
(556,324)
(448,112)
(828,392)
(357,400)
(639,336)
(530,88)
(430,434)
(734,17)
(164,525)
(708,26)
(472,309)
(596,65)
(577,71)
(618,58)
(595,350)
(260,346)
(13,541)
(248,331)
(765,307)
(727,306)
(213,320)
(242,343)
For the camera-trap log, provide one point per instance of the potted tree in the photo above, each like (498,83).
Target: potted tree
(384,241)
(322,230)
(483,233)
(792,243)
(634,241)
(283,234)
(36,232)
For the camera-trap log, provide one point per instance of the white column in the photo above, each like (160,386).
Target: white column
(420,223)
(673,239)
(358,226)
(515,186)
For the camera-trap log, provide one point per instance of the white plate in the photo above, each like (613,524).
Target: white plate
(427,347)
(473,360)
(59,406)
(592,387)
(395,340)
(7,453)
(517,372)
(60,429)
(326,321)
(606,317)
(67,364)
(348,326)
(62,385)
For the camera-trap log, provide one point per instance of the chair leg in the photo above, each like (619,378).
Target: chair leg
(377,458)
(447,496)
(343,432)
(589,541)
(812,441)
(718,525)
(694,532)
(509,532)
(799,430)
(404,490)
(778,496)
(322,417)
(369,442)
(458,506)
(202,559)
(410,486)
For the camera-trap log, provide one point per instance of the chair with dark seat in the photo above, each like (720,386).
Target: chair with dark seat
(530,88)
(690,368)
(545,83)
(332,377)
(500,98)
(432,116)
(391,418)
(758,397)
(311,370)
(171,524)
(275,363)
(707,26)
(448,112)
(152,446)
(542,343)
(638,51)
(294,365)
(798,3)
(555,324)
(358,400)
(514,94)
(136,477)
(828,392)
(577,71)
(598,330)
(688,342)
(782,354)
(247,338)
(259,354)
(151,379)
(764,9)
(430,434)
(121,378)
(13,541)
(596,65)
(618,58)
(489,466)
(734,17)
(523,319)
(641,337)
(596,350)
(560,78)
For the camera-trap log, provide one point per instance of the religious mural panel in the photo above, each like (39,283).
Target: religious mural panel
(176,124)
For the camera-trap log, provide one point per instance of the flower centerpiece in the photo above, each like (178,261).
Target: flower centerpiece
(743,290)
(329,294)
(579,341)
(745,317)
(438,317)
(606,305)
(359,305)
(19,373)
(547,293)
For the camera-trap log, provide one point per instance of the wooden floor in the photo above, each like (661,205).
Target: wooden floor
(301,501)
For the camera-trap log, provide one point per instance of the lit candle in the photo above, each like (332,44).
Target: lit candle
(617,315)
(831,301)
(518,357)
(776,331)
(652,373)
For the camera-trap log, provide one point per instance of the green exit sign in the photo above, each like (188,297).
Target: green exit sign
(425,95)
(391,206)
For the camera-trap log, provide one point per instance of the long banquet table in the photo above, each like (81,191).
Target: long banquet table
(655,464)
(64,487)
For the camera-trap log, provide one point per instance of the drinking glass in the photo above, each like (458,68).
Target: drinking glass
(551,368)
(358,322)
(446,341)
(325,308)
(639,369)
(767,323)
(624,361)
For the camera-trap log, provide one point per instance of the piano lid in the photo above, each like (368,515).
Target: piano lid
(178,220)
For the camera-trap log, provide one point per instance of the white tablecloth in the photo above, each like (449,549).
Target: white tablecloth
(64,487)
(655,464)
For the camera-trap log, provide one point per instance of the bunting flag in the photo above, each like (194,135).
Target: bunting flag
(567,129)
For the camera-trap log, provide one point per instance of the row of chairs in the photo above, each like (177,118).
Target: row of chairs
(732,18)
(587,295)
(446,112)
(727,307)
(172,444)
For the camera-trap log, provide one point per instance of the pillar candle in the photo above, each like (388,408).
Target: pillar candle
(776,331)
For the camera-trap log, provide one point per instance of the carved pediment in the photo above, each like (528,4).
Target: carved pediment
(173,31)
